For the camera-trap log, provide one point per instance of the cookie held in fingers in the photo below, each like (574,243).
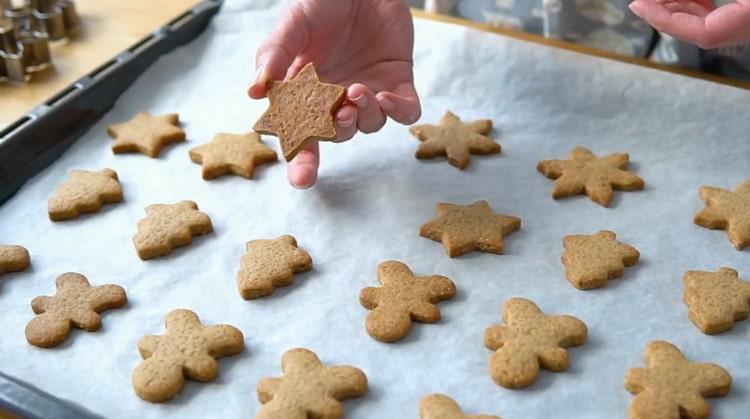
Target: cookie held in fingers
(465,228)
(672,387)
(401,299)
(13,259)
(232,154)
(146,134)
(84,192)
(528,340)
(187,349)
(716,300)
(585,173)
(455,140)
(309,389)
(591,260)
(727,210)
(439,406)
(167,227)
(301,109)
(270,264)
(76,304)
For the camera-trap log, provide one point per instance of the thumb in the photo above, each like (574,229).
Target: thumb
(277,53)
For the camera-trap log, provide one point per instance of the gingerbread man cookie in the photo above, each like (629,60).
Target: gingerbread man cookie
(592,175)
(727,210)
(169,226)
(13,259)
(308,388)
(403,297)
(672,387)
(301,110)
(465,228)
(187,349)
(270,264)
(146,133)
(438,406)
(455,139)
(84,192)
(76,304)
(232,154)
(716,300)
(592,260)
(530,339)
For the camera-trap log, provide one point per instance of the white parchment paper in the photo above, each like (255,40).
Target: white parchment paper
(368,206)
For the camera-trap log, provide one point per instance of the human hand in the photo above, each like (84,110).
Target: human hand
(364,45)
(698,21)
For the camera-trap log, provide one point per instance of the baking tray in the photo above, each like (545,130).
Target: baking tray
(27,147)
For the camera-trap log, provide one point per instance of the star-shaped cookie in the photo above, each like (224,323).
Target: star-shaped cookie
(589,174)
(727,210)
(455,139)
(673,387)
(464,228)
(146,133)
(232,154)
(300,110)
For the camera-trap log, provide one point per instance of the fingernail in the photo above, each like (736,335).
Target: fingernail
(258,75)
(387,106)
(343,123)
(636,7)
(360,101)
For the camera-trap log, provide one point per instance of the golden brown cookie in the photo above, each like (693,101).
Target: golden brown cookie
(84,192)
(530,339)
(592,260)
(13,259)
(308,388)
(672,387)
(594,176)
(270,264)
(438,406)
(146,133)
(455,139)
(716,300)
(232,154)
(401,298)
(76,304)
(300,110)
(169,226)
(727,210)
(465,228)
(187,349)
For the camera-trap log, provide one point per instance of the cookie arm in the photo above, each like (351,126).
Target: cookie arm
(267,389)
(345,382)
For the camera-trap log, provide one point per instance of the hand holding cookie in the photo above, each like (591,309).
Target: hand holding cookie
(363,46)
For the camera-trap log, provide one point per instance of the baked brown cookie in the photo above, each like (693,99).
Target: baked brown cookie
(308,388)
(13,259)
(455,139)
(401,298)
(169,226)
(592,260)
(187,349)
(594,176)
(270,264)
(727,210)
(438,406)
(146,134)
(232,154)
(76,304)
(530,339)
(672,387)
(465,228)
(84,192)
(716,300)
(301,109)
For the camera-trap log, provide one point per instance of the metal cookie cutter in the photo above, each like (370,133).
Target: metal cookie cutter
(26,32)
